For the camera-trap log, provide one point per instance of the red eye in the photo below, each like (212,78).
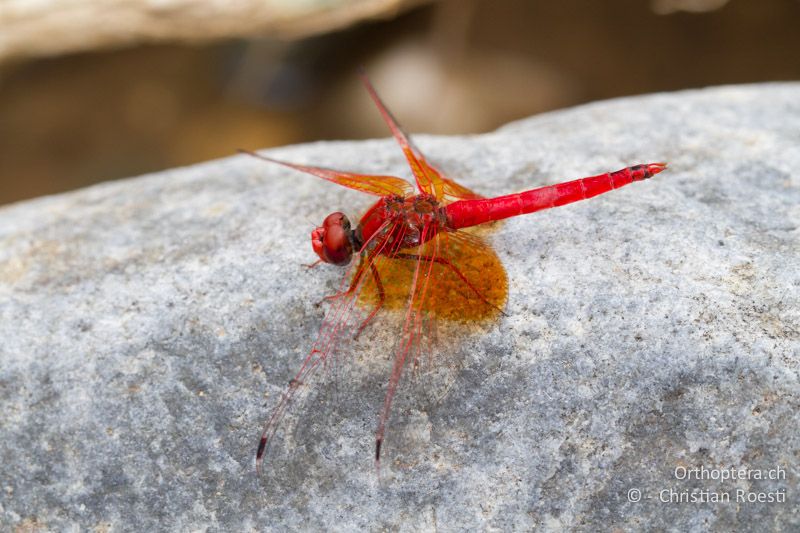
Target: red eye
(332,241)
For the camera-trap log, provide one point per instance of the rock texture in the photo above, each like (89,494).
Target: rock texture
(149,325)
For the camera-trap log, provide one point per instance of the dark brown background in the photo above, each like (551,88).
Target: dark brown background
(451,67)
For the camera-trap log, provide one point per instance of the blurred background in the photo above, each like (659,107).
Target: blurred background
(92,90)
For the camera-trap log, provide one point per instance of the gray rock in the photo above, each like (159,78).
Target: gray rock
(149,325)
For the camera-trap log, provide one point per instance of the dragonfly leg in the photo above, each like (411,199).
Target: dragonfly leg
(381,298)
(353,284)
(443,261)
(335,296)
(312,265)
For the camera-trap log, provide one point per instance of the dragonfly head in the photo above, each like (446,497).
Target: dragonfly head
(333,241)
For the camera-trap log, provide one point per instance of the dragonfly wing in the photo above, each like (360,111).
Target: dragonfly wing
(448,190)
(429,179)
(426,182)
(455,276)
(468,279)
(334,324)
(341,322)
(471,283)
(370,184)
(421,280)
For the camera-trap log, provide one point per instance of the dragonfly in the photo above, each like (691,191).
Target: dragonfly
(415,250)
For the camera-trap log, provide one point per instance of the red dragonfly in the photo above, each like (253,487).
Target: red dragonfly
(415,252)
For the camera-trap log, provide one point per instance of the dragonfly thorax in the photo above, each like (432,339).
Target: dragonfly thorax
(410,221)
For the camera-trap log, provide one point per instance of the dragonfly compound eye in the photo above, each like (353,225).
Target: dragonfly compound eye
(333,241)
